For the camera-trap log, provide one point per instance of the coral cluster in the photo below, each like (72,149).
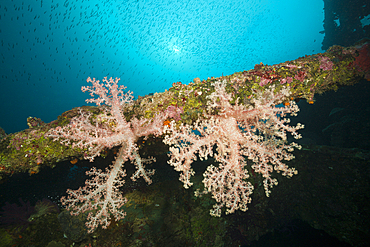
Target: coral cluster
(256,132)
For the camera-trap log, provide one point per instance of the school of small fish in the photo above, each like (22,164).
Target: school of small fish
(49,47)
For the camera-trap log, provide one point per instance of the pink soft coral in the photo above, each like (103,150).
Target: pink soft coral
(101,195)
(256,131)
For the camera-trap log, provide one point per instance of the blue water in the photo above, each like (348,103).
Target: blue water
(49,47)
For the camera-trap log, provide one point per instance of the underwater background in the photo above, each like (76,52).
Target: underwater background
(48,48)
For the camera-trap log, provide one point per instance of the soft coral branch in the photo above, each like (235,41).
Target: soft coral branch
(256,131)
(100,195)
